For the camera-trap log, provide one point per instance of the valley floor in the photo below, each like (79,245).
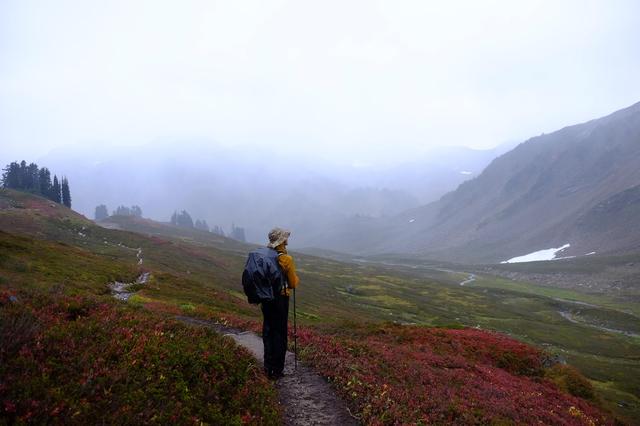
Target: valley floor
(397,344)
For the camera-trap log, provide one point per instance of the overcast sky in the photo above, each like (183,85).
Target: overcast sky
(369,81)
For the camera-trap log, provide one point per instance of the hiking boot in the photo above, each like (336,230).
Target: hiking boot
(275,375)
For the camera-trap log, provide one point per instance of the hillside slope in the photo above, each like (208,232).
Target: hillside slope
(578,185)
(71,354)
(49,250)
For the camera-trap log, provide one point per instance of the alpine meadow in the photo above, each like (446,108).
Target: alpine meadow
(334,213)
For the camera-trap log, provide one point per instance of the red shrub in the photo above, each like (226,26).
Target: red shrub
(410,375)
(79,360)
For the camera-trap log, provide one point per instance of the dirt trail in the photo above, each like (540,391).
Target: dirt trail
(470,279)
(121,290)
(306,397)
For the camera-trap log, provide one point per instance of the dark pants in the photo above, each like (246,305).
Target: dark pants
(274,333)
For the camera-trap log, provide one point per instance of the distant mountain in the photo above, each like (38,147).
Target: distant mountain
(428,176)
(258,189)
(579,185)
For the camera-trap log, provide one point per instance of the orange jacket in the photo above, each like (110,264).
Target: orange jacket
(289,268)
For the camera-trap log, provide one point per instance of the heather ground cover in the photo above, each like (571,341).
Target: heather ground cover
(414,375)
(197,274)
(70,354)
(82,360)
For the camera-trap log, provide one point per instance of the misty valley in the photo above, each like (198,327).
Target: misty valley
(305,213)
(431,283)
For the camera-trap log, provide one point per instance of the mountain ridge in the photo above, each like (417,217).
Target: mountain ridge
(52,250)
(528,199)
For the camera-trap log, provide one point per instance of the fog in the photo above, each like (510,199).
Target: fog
(298,112)
(258,188)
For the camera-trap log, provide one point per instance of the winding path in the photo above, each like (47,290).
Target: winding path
(470,279)
(306,398)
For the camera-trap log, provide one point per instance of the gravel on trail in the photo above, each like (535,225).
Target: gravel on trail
(306,397)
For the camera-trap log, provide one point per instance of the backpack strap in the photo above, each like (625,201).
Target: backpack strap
(284,276)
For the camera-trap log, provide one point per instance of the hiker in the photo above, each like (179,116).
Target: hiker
(276,311)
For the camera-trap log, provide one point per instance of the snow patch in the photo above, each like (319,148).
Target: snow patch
(411,220)
(540,255)
(564,257)
(465,172)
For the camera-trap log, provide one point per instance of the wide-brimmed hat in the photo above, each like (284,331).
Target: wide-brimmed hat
(278,236)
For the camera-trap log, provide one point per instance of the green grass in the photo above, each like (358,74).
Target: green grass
(198,274)
(602,300)
(333,291)
(70,353)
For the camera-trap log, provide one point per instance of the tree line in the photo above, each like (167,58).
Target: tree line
(181,219)
(102,212)
(36,180)
(184,220)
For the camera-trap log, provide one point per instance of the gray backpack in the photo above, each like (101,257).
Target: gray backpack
(262,278)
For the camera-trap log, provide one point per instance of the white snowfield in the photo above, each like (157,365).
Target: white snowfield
(536,256)
(465,172)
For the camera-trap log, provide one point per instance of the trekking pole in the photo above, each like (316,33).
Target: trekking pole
(295,333)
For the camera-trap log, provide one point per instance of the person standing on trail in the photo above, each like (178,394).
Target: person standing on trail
(276,311)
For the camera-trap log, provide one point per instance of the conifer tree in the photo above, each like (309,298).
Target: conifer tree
(237,233)
(101,212)
(66,194)
(55,190)
(22,175)
(31,178)
(184,220)
(122,211)
(11,176)
(136,211)
(44,178)
(31,182)
(202,225)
